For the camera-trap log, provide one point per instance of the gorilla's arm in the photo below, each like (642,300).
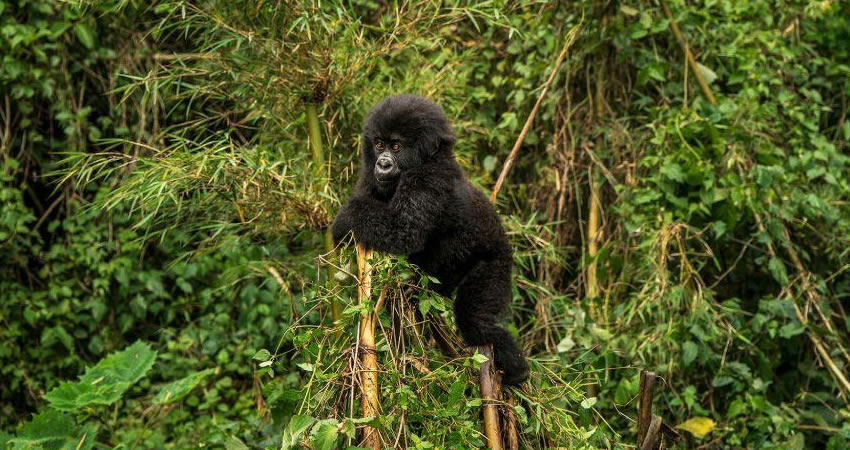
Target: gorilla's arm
(400,226)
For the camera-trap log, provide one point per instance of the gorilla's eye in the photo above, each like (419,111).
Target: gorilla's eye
(396,147)
(379,145)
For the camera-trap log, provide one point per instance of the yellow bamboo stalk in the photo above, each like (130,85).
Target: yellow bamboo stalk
(593,237)
(319,163)
(594,234)
(489,394)
(369,400)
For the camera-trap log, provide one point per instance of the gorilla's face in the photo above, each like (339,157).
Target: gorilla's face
(394,153)
(402,133)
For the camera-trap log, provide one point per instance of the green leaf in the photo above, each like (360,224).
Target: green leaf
(689,353)
(777,269)
(104,383)
(490,162)
(479,358)
(601,333)
(588,402)
(297,426)
(234,443)
(84,34)
(628,10)
(54,430)
(707,74)
(736,408)
(698,426)
(791,329)
(566,344)
(177,390)
(324,434)
(262,355)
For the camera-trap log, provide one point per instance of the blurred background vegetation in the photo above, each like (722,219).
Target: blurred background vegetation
(160,203)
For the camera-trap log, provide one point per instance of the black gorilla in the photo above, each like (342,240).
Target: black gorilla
(413,198)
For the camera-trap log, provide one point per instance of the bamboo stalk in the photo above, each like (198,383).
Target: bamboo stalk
(314,132)
(571,36)
(593,238)
(593,223)
(674,27)
(312,115)
(369,401)
(489,387)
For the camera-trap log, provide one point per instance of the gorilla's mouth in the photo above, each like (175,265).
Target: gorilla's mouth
(386,183)
(388,176)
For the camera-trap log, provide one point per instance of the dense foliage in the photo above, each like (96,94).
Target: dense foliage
(166,282)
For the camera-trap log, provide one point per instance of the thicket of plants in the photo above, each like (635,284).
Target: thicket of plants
(166,280)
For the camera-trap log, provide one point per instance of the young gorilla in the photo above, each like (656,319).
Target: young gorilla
(413,198)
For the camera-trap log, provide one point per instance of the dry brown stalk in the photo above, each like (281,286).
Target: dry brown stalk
(369,400)
(571,36)
(674,27)
(652,434)
(644,418)
(490,385)
(511,434)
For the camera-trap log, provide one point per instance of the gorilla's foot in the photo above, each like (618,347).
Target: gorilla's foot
(510,360)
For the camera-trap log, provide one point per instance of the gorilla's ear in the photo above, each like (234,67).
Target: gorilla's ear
(443,141)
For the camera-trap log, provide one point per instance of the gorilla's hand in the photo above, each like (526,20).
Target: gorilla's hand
(358,215)
(342,224)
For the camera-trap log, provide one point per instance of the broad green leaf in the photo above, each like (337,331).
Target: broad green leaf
(234,443)
(698,426)
(84,34)
(297,426)
(601,333)
(324,434)
(56,431)
(707,74)
(628,10)
(262,355)
(479,358)
(736,408)
(177,390)
(566,344)
(777,269)
(104,383)
(689,353)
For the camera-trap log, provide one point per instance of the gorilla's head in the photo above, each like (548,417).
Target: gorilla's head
(401,133)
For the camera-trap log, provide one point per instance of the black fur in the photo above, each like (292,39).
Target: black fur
(435,216)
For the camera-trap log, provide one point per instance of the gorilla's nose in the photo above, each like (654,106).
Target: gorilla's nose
(384,164)
(385,169)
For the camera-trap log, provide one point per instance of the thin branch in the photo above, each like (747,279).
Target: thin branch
(571,36)
(674,27)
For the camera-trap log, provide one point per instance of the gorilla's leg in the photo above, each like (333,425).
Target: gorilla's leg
(481,299)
